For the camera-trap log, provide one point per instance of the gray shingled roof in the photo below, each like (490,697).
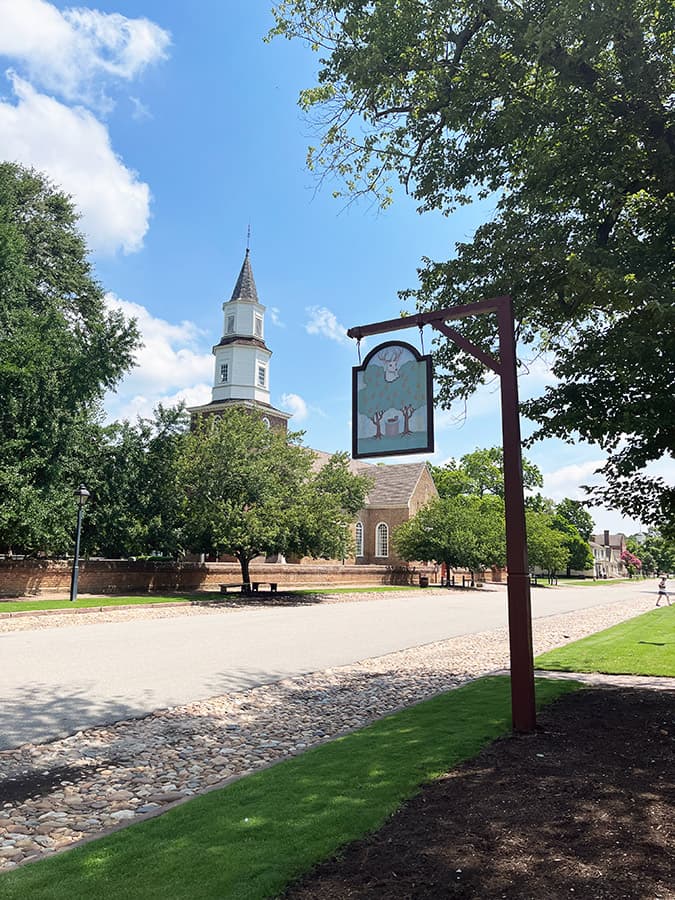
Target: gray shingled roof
(614,539)
(393,484)
(245,288)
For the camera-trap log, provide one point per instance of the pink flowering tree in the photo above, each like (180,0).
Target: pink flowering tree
(631,562)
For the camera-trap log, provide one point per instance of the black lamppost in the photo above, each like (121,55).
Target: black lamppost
(82,495)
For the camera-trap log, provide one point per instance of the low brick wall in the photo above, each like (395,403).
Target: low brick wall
(26,577)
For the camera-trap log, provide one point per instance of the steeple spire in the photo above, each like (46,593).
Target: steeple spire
(245,288)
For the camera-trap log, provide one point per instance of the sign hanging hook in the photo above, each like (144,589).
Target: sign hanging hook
(421,328)
(358,348)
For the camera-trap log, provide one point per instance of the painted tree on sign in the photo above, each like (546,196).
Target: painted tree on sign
(405,393)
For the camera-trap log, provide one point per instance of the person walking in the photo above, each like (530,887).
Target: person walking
(662,591)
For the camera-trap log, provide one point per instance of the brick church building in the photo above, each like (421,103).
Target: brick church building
(242,378)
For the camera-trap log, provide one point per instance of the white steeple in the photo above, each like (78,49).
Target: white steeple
(242,357)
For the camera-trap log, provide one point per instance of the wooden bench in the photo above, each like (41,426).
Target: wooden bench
(248,587)
(272,584)
(245,588)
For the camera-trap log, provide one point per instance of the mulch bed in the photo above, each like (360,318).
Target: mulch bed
(583,808)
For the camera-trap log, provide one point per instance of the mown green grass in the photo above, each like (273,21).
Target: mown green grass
(597,582)
(92,602)
(251,839)
(375,589)
(644,645)
(204,597)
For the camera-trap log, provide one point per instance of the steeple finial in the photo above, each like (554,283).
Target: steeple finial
(248,238)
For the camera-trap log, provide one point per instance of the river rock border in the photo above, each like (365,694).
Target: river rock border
(78,787)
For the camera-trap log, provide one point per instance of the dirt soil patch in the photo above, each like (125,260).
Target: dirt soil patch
(583,808)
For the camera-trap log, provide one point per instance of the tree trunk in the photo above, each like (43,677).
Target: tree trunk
(243,562)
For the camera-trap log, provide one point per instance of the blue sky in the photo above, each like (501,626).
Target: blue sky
(173,125)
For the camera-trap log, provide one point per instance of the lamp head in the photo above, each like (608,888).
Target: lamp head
(82,495)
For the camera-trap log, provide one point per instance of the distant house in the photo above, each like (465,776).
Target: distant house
(607,549)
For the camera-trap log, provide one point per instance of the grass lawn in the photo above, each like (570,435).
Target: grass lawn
(202,597)
(92,602)
(597,582)
(644,645)
(355,589)
(253,837)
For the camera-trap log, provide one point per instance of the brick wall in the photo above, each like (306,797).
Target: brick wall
(20,578)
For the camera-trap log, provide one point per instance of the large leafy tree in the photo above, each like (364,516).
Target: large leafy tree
(561,112)
(60,350)
(547,546)
(462,532)
(131,470)
(656,552)
(249,490)
(480,472)
(580,557)
(574,512)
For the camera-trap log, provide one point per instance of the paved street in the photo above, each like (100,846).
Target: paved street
(59,680)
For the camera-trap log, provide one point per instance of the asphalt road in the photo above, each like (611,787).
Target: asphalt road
(57,681)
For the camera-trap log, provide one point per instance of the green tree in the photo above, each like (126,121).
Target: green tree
(580,556)
(248,490)
(656,551)
(480,472)
(561,112)
(546,545)
(131,471)
(60,351)
(462,532)
(574,512)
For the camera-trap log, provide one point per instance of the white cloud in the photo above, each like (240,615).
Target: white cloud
(567,481)
(71,52)
(323,321)
(296,405)
(73,148)
(273,313)
(143,405)
(169,365)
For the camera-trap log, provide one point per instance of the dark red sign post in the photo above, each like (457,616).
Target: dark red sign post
(518,581)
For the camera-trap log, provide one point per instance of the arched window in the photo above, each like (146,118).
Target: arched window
(359,538)
(382,540)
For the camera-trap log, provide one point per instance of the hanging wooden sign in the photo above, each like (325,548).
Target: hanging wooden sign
(392,402)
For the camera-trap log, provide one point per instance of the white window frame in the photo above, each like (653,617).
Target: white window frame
(262,376)
(382,540)
(231,322)
(224,373)
(358,536)
(257,325)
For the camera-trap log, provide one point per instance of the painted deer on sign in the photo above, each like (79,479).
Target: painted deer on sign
(390,360)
